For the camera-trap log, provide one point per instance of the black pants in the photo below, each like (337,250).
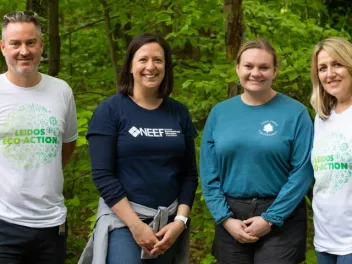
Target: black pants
(26,245)
(283,245)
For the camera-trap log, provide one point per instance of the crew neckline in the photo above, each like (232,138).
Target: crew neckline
(262,105)
(31,88)
(145,109)
(349,109)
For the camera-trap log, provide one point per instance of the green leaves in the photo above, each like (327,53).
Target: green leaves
(195,31)
(163,17)
(311,257)
(75,202)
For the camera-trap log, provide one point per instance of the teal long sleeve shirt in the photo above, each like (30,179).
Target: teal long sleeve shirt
(257,151)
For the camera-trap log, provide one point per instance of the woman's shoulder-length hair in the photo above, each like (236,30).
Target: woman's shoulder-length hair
(340,50)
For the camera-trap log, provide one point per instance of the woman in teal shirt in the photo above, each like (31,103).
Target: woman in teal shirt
(255,166)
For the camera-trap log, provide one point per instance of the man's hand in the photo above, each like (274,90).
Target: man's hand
(169,234)
(144,236)
(257,226)
(236,228)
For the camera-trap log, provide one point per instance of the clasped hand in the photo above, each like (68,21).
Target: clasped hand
(145,237)
(247,231)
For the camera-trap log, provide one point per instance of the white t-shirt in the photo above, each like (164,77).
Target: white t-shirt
(34,122)
(332,195)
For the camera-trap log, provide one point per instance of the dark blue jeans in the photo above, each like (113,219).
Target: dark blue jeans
(26,245)
(123,249)
(326,258)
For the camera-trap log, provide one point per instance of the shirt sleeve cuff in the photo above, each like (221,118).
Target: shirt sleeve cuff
(222,219)
(278,221)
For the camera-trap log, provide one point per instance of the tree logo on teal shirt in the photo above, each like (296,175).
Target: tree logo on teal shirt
(269,128)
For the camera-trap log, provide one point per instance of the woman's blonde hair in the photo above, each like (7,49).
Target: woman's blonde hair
(340,50)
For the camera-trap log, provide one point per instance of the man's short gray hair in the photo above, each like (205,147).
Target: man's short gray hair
(21,16)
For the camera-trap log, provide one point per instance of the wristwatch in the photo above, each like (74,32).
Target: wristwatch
(182,218)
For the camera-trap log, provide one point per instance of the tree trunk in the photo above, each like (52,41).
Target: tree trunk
(112,46)
(234,34)
(54,38)
(41,8)
(29,5)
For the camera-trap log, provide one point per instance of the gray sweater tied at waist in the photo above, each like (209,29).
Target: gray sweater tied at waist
(96,249)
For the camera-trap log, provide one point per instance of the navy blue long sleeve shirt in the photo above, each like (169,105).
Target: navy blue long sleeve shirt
(145,155)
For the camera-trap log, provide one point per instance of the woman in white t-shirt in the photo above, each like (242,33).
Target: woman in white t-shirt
(332,150)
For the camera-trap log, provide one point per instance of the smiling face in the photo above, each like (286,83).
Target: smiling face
(148,66)
(334,77)
(256,70)
(22,48)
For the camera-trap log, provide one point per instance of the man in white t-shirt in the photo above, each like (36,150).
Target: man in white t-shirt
(38,131)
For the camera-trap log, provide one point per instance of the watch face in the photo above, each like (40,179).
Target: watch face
(182,218)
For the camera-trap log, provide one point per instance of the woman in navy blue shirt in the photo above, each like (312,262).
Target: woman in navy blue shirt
(141,144)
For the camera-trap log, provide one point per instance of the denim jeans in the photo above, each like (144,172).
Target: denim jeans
(123,249)
(326,258)
(26,245)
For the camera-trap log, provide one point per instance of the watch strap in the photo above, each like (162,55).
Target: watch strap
(182,218)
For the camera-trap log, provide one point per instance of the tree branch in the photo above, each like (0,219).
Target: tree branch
(80,176)
(86,25)
(91,93)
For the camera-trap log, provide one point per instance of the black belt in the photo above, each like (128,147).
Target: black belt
(252,199)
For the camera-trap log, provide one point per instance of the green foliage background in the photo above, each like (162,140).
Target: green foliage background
(195,30)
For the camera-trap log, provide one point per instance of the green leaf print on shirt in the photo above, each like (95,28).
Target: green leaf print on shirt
(30,137)
(332,163)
